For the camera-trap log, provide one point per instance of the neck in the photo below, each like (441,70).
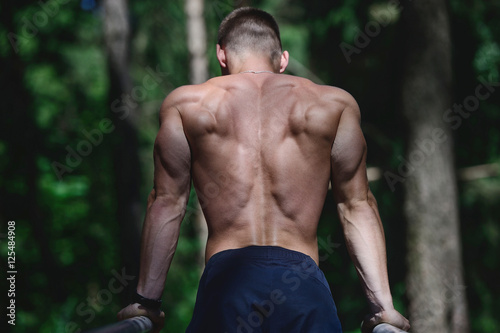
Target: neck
(252,65)
(256,72)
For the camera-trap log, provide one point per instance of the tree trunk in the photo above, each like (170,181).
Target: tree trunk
(197,45)
(436,292)
(197,41)
(125,153)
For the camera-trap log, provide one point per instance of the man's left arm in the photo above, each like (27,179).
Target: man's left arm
(360,219)
(166,209)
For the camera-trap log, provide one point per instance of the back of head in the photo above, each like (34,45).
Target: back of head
(250,29)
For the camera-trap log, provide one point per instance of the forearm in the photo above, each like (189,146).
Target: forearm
(366,245)
(159,241)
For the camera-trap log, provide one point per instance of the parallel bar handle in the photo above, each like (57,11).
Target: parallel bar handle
(139,324)
(387,328)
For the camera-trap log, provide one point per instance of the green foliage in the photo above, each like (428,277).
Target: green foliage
(55,87)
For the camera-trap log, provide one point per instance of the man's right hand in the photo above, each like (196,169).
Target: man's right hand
(390,317)
(134,310)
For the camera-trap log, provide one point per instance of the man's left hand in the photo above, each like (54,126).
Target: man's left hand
(136,309)
(388,316)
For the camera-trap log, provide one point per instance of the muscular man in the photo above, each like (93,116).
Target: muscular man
(261,148)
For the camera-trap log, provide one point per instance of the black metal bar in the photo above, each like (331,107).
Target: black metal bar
(387,328)
(143,324)
(139,324)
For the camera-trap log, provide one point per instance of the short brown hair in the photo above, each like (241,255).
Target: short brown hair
(251,29)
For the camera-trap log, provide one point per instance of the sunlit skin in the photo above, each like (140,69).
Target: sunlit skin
(261,149)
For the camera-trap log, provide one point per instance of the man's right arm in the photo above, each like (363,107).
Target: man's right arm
(166,203)
(360,219)
(165,210)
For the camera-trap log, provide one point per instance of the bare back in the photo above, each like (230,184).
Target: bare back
(260,157)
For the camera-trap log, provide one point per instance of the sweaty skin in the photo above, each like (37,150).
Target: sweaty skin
(261,150)
(260,153)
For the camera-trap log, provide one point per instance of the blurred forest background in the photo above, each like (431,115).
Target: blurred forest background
(82,83)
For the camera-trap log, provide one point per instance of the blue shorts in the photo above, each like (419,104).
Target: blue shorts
(260,289)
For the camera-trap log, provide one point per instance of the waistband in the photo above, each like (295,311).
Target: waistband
(261,251)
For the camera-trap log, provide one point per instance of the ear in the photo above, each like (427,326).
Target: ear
(221,56)
(284,61)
